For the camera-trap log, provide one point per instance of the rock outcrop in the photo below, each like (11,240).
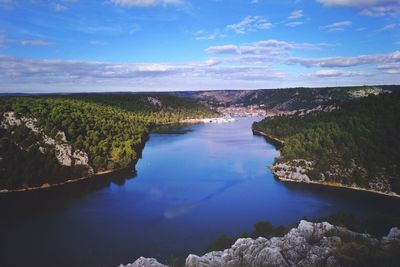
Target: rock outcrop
(145,262)
(364,92)
(310,244)
(64,152)
(295,170)
(298,170)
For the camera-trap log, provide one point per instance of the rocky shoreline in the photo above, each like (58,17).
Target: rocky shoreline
(298,175)
(309,244)
(92,174)
(273,139)
(294,174)
(47,186)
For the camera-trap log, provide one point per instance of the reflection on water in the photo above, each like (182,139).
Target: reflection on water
(189,189)
(17,205)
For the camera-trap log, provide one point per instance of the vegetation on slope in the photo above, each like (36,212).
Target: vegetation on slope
(285,99)
(168,108)
(110,128)
(356,144)
(260,229)
(352,251)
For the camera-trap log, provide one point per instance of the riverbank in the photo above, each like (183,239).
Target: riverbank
(296,172)
(279,143)
(138,149)
(47,186)
(273,139)
(332,184)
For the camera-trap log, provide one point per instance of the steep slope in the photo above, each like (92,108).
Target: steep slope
(355,145)
(309,244)
(48,140)
(285,99)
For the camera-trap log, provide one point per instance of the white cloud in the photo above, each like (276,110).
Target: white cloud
(294,23)
(337,73)
(203,35)
(342,62)
(296,14)
(223,49)
(59,8)
(387,27)
(278,52)
(250,24)
(57,69)
(25,75)
(4,40)
(390,68)
(270,47)
(35,42)
(337,26)
(98,42)
(368,7)
(145,3)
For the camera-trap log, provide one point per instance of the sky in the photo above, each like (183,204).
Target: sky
(163,45)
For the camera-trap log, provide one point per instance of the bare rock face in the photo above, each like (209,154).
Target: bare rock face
(154,101)
(367,91)
(294,170)
(305,245)
(394,234)
(145,262)
(64,152)
(310,244)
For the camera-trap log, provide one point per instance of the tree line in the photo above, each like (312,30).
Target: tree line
(110,128)
(363,132)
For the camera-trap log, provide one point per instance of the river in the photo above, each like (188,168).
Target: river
(189,189)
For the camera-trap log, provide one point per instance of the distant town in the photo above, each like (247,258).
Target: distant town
(241,111)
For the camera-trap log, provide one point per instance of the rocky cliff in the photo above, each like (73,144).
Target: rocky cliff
(310,244)
(64,152)
(297,171)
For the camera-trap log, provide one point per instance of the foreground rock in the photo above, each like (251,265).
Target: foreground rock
(310,244)
(145,262)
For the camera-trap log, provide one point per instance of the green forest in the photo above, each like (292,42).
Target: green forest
(362,132)
(110,128)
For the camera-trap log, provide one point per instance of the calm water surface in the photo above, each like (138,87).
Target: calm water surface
(189,189)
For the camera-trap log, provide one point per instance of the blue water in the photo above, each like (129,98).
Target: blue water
(189,189)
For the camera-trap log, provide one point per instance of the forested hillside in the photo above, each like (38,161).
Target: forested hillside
(46,140)
(168,108)
(287,99)
(357,144)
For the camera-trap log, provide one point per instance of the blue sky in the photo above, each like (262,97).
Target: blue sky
(146,45)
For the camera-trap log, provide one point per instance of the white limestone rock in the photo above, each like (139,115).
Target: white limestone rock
(10,120)
(154,101)
(309,244)
(64,152)
(394,234)
(294,170)
(145,262)
(306,245)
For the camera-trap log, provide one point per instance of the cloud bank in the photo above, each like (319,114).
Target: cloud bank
(368,7)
